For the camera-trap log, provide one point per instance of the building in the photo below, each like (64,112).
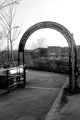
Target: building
(40,52)
(50,52)
(54,51)
(64,52)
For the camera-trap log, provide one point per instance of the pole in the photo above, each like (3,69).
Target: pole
(73,64)
(70,70)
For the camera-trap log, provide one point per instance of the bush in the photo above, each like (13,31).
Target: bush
(59,66)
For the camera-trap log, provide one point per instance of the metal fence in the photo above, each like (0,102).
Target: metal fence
(12,77)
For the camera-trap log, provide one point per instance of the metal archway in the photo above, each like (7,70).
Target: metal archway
(70,41)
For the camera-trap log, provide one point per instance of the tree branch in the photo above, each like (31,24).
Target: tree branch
(12,3)
(4,23)
(7,24)
(3,3)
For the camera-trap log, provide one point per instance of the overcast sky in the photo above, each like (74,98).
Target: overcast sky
(65,12)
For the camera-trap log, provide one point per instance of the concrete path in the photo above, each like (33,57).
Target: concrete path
(71,110)
(53,113)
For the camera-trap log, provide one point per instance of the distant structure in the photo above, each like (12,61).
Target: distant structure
(50,52)
(64,52)
(54,51)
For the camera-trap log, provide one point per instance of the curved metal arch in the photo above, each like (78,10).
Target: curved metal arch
(45,24)
(65,32)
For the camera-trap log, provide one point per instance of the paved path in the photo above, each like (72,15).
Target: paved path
(35,101)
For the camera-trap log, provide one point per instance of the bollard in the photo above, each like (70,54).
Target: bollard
(7,72)
(24,75)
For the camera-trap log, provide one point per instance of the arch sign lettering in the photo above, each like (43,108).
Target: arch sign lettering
(68,36)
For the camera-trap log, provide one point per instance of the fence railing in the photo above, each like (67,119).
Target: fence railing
(12,77)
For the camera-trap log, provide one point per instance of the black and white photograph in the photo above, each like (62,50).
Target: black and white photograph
(39,60)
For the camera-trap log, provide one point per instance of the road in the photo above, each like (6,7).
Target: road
(35,101)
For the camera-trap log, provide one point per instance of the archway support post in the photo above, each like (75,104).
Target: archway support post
(75,66)
(73,76)
(72,67)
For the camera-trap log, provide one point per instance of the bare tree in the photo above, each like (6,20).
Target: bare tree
(0,36)
(40,43)
(7,22)
(2,40)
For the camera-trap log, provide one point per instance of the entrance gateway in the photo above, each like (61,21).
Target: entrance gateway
(71,45)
